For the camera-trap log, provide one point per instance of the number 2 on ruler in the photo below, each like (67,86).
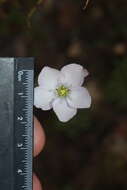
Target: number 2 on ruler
(20,118)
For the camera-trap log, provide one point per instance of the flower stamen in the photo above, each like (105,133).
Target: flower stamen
(62,91)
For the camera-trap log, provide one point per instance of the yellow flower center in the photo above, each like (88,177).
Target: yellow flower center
(62,91)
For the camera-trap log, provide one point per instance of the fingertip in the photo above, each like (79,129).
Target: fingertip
(36,183)
(39,137)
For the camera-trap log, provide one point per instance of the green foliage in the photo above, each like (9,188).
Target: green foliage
(79,124)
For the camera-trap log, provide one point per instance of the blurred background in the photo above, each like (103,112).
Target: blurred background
(90,151)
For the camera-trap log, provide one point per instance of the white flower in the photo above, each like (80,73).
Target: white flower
(62,90)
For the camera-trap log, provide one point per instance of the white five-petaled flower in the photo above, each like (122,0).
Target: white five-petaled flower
(62,90)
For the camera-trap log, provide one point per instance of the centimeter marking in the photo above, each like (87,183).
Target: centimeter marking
(23,118)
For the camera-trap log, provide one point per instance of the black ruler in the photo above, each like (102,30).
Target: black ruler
(16,123)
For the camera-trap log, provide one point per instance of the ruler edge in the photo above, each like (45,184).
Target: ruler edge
(11,62)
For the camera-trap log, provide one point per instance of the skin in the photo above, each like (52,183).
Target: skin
(39,141)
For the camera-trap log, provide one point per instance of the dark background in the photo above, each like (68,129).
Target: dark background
(90,151)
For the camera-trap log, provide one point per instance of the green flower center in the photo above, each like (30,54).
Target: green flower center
(62,91)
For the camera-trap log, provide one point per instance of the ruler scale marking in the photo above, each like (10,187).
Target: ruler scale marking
(28,133)
(19,171)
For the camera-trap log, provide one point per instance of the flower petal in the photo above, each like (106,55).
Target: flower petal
(73,74)
(48,78)
(62,110)
(79,98)
(43,98)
